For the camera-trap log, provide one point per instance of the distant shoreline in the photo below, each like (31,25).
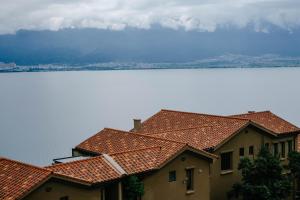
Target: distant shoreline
(69,69)
(219,62)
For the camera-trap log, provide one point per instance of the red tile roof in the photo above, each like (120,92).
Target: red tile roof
(137,161)
(17,179)
(98,169)
(91,170)
(203,131)
(169,120)
(112,141)
(203,137)
(269,121)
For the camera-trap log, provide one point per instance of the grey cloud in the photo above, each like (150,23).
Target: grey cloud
(199,15)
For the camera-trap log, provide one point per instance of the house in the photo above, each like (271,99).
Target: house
(229,137)
(164,166)
(177,155)
(175,171)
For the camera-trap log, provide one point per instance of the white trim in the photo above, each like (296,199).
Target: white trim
(114,164)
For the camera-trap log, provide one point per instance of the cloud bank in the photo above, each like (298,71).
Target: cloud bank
(199,15)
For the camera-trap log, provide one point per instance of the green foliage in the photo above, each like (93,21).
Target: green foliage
(133,188)
(262,178)
(294,164)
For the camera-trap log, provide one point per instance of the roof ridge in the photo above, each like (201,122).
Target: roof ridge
(284,120)
(144,135)
(134,150)
(251,113)
(114,129)
(268,111)
(114,164)
(181,129)
(26,164)
(194,113)
(159,138)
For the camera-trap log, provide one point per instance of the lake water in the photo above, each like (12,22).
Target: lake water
(44,115)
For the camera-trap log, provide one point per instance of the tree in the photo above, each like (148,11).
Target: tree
(133,188)
(262,178)
(294,167)
(294,164)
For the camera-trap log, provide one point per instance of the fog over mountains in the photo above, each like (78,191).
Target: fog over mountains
(89,47)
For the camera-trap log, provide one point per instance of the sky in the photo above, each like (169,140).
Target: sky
(199,15)
(36,32)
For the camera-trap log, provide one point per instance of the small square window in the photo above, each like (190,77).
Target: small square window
(242,151)
(251,150)
(172,176)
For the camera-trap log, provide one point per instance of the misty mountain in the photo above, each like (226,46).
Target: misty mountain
(156,45)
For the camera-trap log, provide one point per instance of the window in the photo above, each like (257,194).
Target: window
(172,176)
(290,146)
(267,145)
(64,198)
(282,149)
(189,179)
(242,151)
(275,145)
(226,161)
(251,150)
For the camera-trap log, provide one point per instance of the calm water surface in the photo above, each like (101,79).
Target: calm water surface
(44,115)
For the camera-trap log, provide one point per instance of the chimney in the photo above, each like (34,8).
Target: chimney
(137,124)
(250,112)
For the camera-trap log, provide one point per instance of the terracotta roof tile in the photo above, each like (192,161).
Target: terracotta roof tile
(270,121)
(98,169)
(112,141)
(167,120)
(91,170)
(139,160)
(16,178)
(202,137)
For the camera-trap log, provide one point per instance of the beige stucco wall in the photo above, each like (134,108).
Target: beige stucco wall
(58,190)
(158,187)
(222,182)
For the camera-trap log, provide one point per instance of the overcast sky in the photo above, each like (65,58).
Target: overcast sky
(200,15)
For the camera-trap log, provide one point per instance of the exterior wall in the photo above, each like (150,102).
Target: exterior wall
(59,189)
(222,181)
(157,185)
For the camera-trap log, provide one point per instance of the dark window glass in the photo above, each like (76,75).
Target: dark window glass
(275,149)
(172,176)
(190,179)
(64,198)
(290,146)
(282,149)
(251,150)
(242,151)
(226,161)
(267,145)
